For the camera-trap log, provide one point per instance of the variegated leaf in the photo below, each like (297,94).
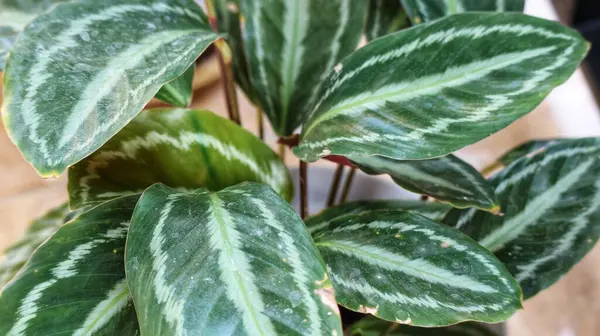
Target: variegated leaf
(74,284)
(372,326)
(178,92)
(402,97)
(423,11)
(528,148)
(235,262)
(551,205)
(448,179)
(432,210)
(385,17)
(291,45)
(403,267)
(180,148)
(82,71)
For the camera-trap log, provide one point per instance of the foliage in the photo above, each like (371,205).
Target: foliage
(178,221)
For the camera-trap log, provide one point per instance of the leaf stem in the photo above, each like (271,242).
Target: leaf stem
(259,122)
(494,167)
(335,185)
(303,189)
(347,185)
(282,152)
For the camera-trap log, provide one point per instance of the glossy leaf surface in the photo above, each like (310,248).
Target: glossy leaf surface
(422,11)
(385,17)
(404,267)
(235,262)
(372,326)
(291,46)
(82,71)
(551,206)
(75,282)
(178,92)
(402,97)
(432,210)
(180,148)
(448,179)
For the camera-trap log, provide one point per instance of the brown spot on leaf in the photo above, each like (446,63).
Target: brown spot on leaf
(445,244)
(367,310)
(327,297)
(407,321)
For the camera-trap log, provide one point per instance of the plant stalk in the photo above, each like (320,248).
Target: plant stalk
(347,185)
(303,190)
(489,170)
(259,119)
(282,152)
(335,185)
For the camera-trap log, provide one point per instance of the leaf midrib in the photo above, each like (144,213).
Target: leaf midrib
(288,80)
(113,303)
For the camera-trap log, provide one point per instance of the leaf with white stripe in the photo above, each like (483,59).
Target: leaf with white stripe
(448,179)
(402,96)
(403,267)
(178,92)
(74,284)
(372,326)
(81,72)
(432,210)
(235,262)
(385,17)
(423,11)
(551,205)
(291,46)
(528,148)
(180,148)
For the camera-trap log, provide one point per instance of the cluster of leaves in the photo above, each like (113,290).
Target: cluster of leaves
(178,221)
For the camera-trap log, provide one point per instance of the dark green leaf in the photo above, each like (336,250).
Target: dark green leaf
(372,326)
(178,92)
(235,262)
(529,148)
(428,10)
(385,17)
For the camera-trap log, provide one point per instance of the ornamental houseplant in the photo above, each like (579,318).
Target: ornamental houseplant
(178,220)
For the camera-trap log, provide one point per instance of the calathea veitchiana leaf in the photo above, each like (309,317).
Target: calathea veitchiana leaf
(180,148)
(290,45)
(551,205)
(178,92)
(448,179)
(422,11)
(235,262)
(528,148)
(384,17)
(432,210)
(400,96)
(372,326)
(404,267)
(74,283)
(82,71)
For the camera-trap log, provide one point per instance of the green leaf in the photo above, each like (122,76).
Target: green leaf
(404,267)
(372,326)
(75,282)
(179,91)
(291,46)
(181,148)
(82,71)
(528,148)
(385,17)
(235,262)
(423,11)
(432,210)
(448,179)
(402,96)
(551,205)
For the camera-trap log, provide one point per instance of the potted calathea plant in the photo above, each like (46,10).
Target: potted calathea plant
(178,220)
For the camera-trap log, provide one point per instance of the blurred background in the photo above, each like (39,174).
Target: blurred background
(570,307)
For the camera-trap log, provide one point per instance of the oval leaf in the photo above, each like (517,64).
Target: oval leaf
(82,71)
(432,210)
(447,179)
(75,282)
(551,205)
(181,148)
(402,97)
(178,92)
(291,45)
(423,11)
(238,261)
(385,17)
(403,267)
(372,326)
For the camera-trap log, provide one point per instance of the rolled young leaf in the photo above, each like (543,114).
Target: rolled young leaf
(385,17)
(372,326)
(448,179)
(432,210)
(235,262)
(82,71)
(423,11)
(178,92)
(402,97)
(404,267)
(551,205)
(180,148)
(291,45)
(75,282)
